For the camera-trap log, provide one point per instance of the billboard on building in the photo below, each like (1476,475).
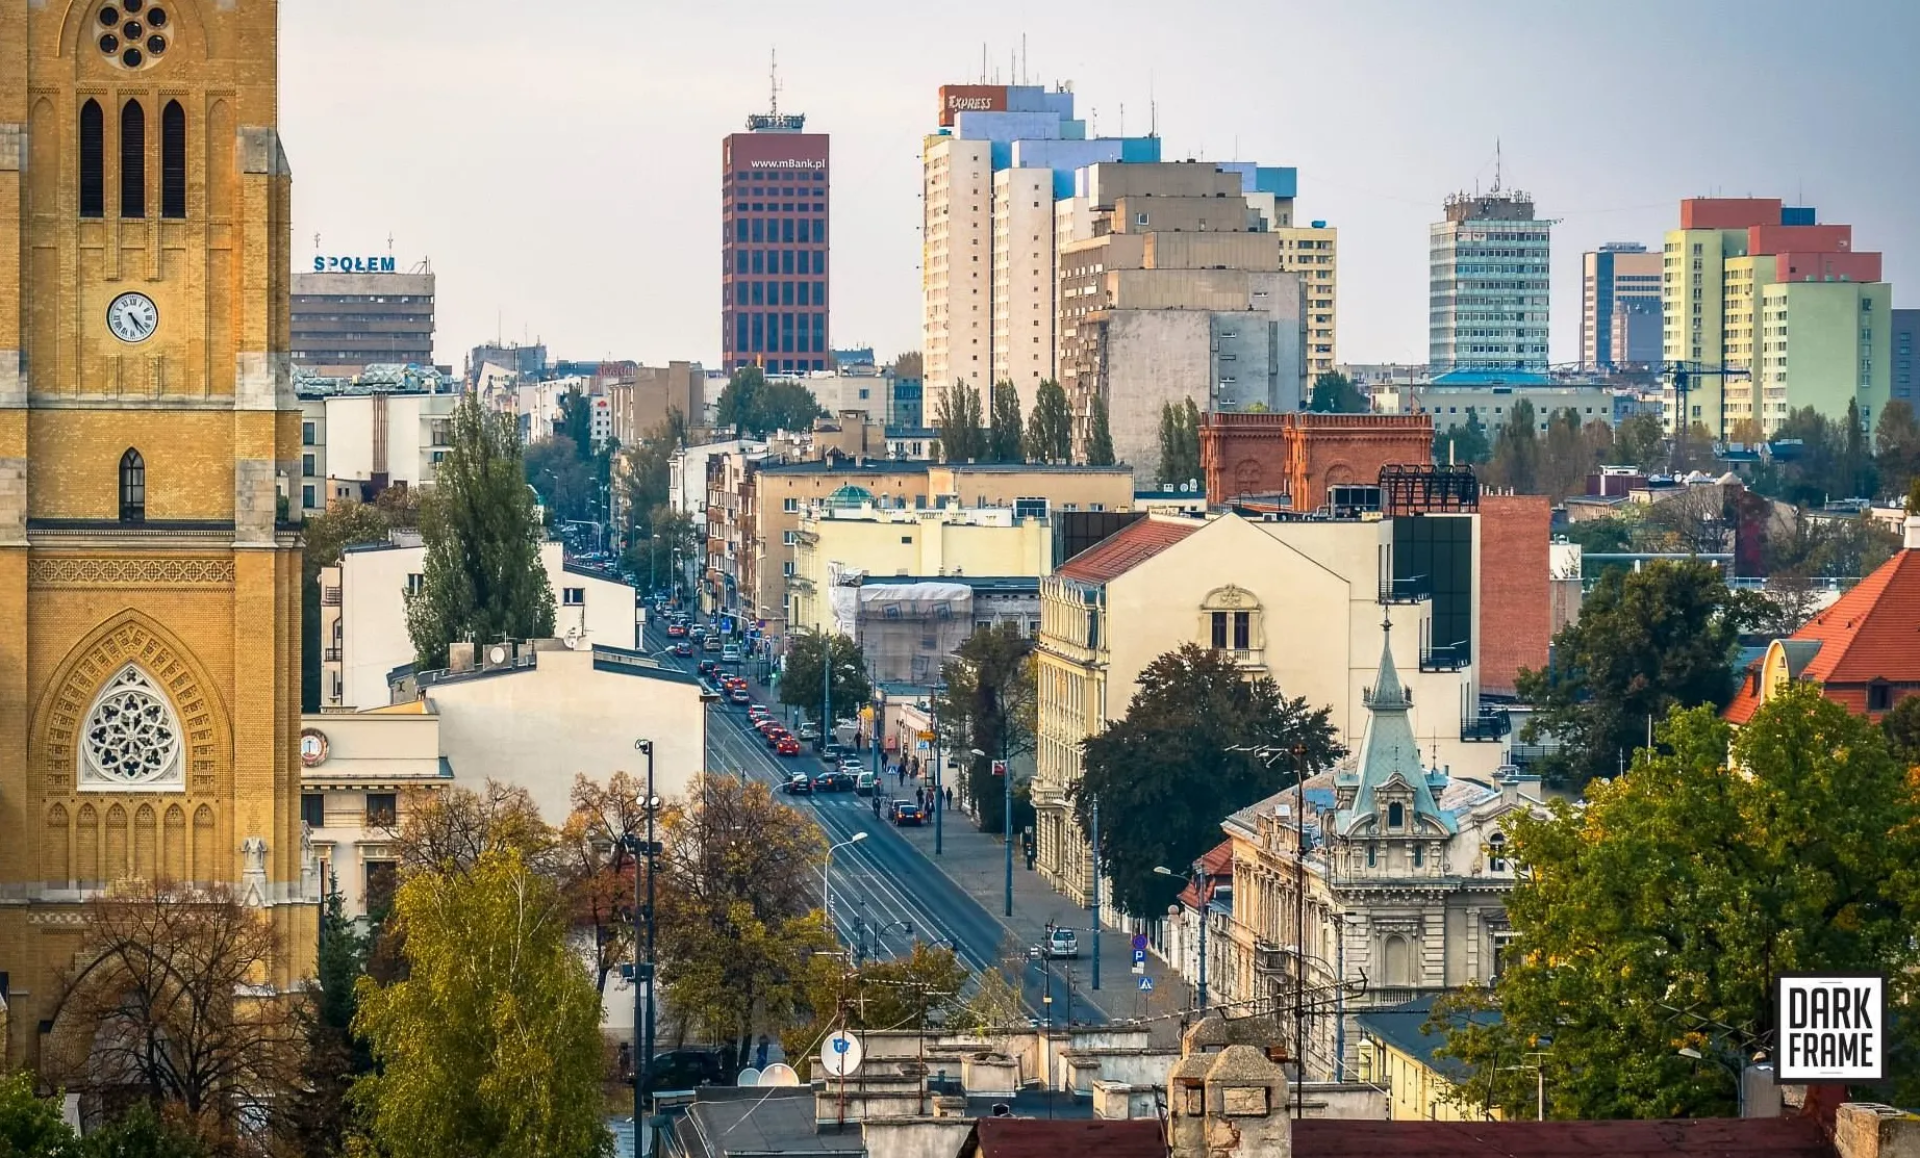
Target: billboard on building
(970,98)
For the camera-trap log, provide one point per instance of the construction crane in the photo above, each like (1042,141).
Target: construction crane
(1681,375)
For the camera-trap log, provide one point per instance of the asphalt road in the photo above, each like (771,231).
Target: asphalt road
(884,893)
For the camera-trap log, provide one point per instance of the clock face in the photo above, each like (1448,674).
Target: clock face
(132,317)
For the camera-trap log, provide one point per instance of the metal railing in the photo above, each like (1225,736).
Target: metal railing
(1490,726)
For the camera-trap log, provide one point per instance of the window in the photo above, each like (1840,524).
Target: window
(1242,630)
(307,497)
(306,434)
(383,876)
(133,160)
(1879,697)
(1419,856)
(133,487)
(789,538)
(1497,852)
(173,161)
(573,596)
(1370,856)
(414,581)
(1219,631)
(313,810)
(306,466)
(1396,815)
(790,505)
(381,812)
(787,568)
(93,197)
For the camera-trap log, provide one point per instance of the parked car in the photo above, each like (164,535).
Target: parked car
(808,732)
(684,1069)
(1062,943)
(906,812)
(863,785)
(798,785)
(786,746)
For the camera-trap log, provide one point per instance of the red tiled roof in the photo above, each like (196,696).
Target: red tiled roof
(1698,1137)
(1038,1138)
(1218,864)
(1126,549)
(1872,632)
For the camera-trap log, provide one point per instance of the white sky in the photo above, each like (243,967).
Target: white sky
(558,160)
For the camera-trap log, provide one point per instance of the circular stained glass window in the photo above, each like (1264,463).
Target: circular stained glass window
(156,18)
(109,43)
(131,736)
(131,58)
(128,42)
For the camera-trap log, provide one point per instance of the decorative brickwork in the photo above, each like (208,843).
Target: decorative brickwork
(1300,455)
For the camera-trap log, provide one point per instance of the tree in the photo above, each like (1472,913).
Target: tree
(344,524)
(563,479)
(1570,454)
(1610,534)
(1788,601)
(1902,726)
(1645,642)
(1004,440)
(1856,473)
(988,705)
(142,1133)
(1099,436)
(1179,442)
(317,1116)
(737,915)
(1639,441)
(644,474)
(1050,428)
(31,1126)
(755,407)
(491,1045)
(1896,447)
(1179,761)
(1658,916)
(1516,451)
(800,679)
(907,365)
(920,991)
(450,830)
(1697,519)
(1335,393)
(1463,443)
(597,865)
(576,421)
(956,415)
(674,537)
(739,404)
(1842,548)
(483,580)
(161,998)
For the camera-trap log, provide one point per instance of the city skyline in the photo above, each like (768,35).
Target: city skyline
(566,163)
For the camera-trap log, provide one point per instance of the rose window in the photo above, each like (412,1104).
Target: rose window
(133,33)
(131,736)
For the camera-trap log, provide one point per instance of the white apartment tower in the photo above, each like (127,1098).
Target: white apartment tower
(1023,279)
(1488,286)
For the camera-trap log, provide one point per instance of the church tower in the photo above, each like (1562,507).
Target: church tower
(149,570)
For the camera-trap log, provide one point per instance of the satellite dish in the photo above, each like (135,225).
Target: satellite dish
(497,654)
(748,1077)
(572,638)
(779,1074)
(841,1054)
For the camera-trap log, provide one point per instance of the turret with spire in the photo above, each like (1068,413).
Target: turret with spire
(1388,770)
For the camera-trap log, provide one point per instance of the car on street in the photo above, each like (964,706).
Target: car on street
(906,812)
(711,643)
(833,782)
(863,786)
(706,667)
(739,697)
(786,746)
(1062,943)
(798,785)
(808,732)
(684,1069)
(683,650)
(676,631)
(730,653)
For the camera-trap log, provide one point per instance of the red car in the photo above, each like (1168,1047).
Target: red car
(767,726)
(676,631)
(786,746)
(683,650)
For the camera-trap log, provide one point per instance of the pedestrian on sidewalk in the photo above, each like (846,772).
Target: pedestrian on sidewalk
(949,797)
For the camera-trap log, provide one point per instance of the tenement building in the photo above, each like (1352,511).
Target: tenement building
(149,439)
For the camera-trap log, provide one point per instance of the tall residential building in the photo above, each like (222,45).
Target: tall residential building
(991,173)
(353,312)
(1310,250)
(1177,293)
(1906,323)
(773,246)
(150,553)
(1618,283)
(1800,317)
(1488,286)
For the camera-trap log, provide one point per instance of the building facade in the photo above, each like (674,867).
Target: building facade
(345,322)
(1619,287)
(355,445)
(1906,329)
(1488,285)
(774,183)
(642,397)
(149,439)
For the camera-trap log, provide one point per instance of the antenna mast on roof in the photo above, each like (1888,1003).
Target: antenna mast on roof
(1496,166)
(773,82)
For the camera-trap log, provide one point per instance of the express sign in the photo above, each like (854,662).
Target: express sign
(971,98)
(1832,1027)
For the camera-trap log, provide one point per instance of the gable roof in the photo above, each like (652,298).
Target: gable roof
(1870,633)
(1126,549)
(1686,1138)
(1039,1138)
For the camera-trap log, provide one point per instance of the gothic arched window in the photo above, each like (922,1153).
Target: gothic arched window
(1396,815)
(173,160)
(133,487)
(93,168)
(133,160)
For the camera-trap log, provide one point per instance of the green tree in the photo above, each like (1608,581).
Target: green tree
(1658,916)
(752,406)
(317,1116)
(922,990)
(563,479)
(989,705)
(1099,434)
(787,405)
(1568,456)
(1896,447)
(1182,758)
(1179,442)
(576,421)
(1516,451)
(1462,443)
(1639,441)
(1902,726)
(1005,442)
(652,559)
(31,1126)
(1855,472)
(739,406)
(1645,642)
(1608,535)
(957,416)
(1335,393)
(800,685)
(1050,428)
(483,579)
(491,1044)
(142,1133)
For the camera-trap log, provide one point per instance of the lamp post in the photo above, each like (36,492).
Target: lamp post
(1200,880)
(643,911)
(827,864)
(939,798)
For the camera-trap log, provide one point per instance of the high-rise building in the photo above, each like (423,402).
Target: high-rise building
(1906,335)
(1002,157)
(1488,286)
(353,312)
(149,442)
(1619,280)
(774,305)
(1788,306)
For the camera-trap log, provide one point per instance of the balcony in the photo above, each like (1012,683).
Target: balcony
(1246,658)
(330,655)
(1489,727)
(1445,658)
(330,597)
(1412,589)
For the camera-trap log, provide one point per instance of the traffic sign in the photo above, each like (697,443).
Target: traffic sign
(1139,956)
(1139,967)
(999,767)
(926,735)
(1146,985)
(1139,940)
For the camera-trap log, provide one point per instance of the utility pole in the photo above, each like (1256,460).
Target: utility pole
(1095,857)
(939,798)
(643,972)
(1300,928)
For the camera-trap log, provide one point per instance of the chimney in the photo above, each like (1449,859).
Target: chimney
(1869,1130)
(1913,532)
(460,656)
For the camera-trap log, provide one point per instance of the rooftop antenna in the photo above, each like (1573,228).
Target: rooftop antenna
(983,62)
(316,243)
(1023,58)
(389,241)
(1123,118)
(1496,166)
(773,82)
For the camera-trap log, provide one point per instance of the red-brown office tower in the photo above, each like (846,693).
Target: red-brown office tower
(773,273)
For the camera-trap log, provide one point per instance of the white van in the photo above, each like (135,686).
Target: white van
(730,653)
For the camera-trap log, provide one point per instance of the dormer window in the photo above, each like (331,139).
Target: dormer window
(1396,816)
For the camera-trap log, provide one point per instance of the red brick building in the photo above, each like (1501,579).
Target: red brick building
(1300,455)
(1516,598)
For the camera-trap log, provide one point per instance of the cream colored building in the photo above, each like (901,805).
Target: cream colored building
(370,441)
(956,265)
(1295,601)
(363,616)
(360,773)
(837,543)
(1023,280)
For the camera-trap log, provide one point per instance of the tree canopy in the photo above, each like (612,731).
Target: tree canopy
(1464,443)
(1179,761)
(1050,428)
(1099,435)
(989,705)
(483,580)
(1179,442)
(1335,393)
(957,416)
(1658,916)
(1645,642)
(1005,442)
(800,685)
(1516,451)
(753,406)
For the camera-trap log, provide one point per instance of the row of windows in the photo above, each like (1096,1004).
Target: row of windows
(777,207)
(133,160)
(780,261)
(780,333)
(792,230)
(779,293)
(816,175)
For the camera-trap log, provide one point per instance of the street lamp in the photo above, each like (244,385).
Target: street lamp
(827,864)
(643,910)
(1200,879)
